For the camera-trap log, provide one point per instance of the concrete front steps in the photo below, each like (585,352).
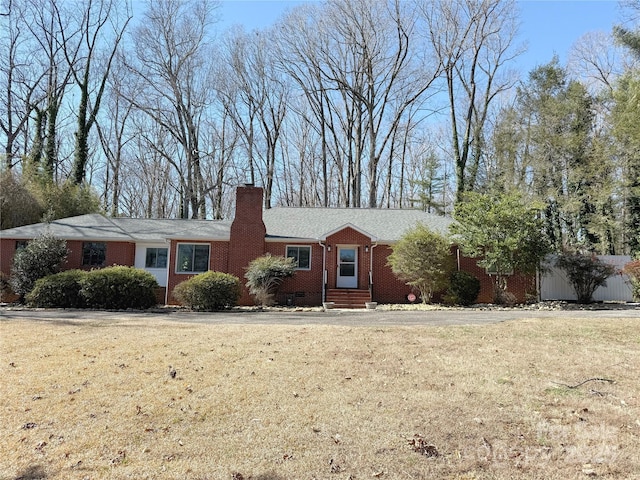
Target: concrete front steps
(348,297)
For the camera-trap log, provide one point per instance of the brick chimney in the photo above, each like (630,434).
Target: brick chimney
(246,241)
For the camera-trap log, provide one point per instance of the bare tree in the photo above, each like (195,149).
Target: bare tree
(392,84)
(171,61)
(220,175)
(255,96)
(303,171)
(596,59)
(19,81)
(274,89)
(300,40)
(90,52)
(474,41)
(43,20)
(115,134)
(239,98)
(361,71)
(150,186)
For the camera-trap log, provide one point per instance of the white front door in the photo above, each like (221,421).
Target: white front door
(347,267)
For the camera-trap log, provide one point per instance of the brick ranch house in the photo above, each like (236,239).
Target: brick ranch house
(341,252)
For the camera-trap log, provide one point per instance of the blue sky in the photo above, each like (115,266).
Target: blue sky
(548,26)
(552,27)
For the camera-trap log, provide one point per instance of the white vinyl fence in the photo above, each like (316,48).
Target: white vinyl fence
(555,286)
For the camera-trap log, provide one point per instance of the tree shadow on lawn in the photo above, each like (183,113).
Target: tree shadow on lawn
(34,472)
(264,476)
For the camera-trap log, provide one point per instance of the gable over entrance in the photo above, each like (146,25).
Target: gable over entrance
(348,262)
(347,266)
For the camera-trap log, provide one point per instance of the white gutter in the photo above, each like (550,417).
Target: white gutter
(324,268)
(166,290)
(373,245)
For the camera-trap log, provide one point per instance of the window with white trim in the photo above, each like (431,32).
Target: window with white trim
(156,258)
(302,255)
(192,257)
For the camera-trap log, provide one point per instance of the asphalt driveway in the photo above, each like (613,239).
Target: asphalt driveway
(382,317)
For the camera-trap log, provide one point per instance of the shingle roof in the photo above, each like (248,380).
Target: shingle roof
(97,227)
(188,229)
(384,225)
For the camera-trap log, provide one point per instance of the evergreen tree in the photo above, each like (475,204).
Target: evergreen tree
(429,186)
(546,145)
(504,231)
(624,117)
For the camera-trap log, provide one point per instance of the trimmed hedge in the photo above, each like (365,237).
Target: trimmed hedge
(119,287)
(114,287)
(209,291)
(60,290)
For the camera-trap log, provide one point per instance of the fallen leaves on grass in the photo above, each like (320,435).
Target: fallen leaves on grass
(421,446)
(482,385)
(119,458)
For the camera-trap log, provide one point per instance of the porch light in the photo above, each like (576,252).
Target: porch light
(366,248)
(328,248)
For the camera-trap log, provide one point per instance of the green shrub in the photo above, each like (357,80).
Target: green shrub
(265,274)
(585,273)
(119,287)
(423,260)
(209,291)
(41,257)
(504,232)
(60,290)
(463,288)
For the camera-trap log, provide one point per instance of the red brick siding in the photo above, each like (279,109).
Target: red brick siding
(386,286)
(218,255)
(522,286)
(160,293)
(7,249)
(246,241)
(305,287)
(348,237)
(388,289)
(118,253)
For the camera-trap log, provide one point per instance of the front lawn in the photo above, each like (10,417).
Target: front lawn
(544,399)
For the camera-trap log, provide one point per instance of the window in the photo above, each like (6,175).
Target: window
(192,258)
(302,256)
(156,258)
(94,254)
(20,244)
(492,269)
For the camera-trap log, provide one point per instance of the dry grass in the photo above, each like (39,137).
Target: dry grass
(95,400)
